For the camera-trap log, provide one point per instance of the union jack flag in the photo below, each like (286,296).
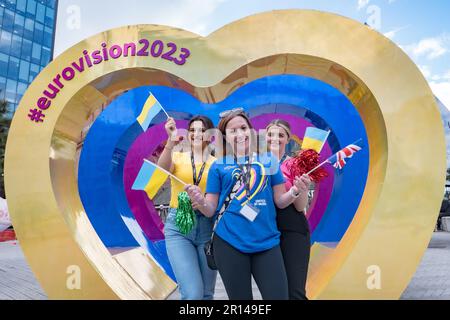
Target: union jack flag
(338,159)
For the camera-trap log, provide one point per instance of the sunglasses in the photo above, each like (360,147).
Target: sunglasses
(232,111)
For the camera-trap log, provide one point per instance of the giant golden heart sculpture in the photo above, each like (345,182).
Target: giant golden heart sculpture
(400,204)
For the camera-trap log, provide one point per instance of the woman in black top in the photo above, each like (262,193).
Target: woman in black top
(292,223)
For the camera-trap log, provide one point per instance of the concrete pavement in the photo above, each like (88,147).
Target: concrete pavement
(430,282)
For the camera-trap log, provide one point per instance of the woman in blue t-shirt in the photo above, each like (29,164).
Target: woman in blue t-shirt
(243,189)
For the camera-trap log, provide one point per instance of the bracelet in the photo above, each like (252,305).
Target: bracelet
(293,194)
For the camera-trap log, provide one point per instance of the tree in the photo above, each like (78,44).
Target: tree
(5,122)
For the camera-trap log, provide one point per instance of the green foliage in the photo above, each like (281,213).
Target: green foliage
(5,122)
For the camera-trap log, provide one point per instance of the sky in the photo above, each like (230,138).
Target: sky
(421,28)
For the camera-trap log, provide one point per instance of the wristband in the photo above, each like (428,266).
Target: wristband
(293,194)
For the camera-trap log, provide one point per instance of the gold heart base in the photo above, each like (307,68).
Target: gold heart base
(383,245)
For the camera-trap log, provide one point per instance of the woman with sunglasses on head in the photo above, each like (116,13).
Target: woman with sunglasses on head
(295,235)
(186,252)
(243,189)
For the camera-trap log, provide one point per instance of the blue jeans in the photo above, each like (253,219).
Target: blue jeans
(195,279)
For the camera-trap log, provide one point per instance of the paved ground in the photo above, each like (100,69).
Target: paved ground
(431,281)
(432,278)
(17,282)
(220,293)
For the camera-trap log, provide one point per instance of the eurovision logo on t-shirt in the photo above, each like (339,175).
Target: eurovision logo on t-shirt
(258,181)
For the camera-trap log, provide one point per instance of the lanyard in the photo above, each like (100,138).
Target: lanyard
(245,172)
(196,179)
(283,158)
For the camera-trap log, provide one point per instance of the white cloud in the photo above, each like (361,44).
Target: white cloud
(362,4)
(439,83)
(442,91)
(192,15)
(391,34)
(431,48)
(425,71)
(447,75)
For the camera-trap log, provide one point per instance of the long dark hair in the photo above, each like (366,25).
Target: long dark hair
(208,124)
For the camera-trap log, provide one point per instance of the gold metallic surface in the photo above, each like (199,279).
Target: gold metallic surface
(145,273)
(397,213)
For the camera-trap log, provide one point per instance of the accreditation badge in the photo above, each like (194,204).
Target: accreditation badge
(250,212)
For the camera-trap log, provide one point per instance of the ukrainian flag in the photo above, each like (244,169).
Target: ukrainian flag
(150,110)
(150,178)
(314,139)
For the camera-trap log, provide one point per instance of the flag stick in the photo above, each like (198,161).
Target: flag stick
(161,106)
(167,172)
(164,111)
(317,167)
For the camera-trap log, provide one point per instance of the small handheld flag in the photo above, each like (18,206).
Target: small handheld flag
(151,177)
(150,110)
(314,139)
(338,159)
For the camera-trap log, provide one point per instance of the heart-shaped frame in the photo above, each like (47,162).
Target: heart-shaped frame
(397,213)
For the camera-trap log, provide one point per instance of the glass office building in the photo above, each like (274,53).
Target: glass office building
(27,29)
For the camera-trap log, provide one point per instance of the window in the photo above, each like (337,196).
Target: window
(34,71)
(29,29)
(27,46)
(13,68)
(50,17)
(48,37)
(16,44)
(24,70)
(12,109)
(11,86)
(4,64)
(40,13)
(11,3)
(19,21)
(21,5)
(2,87)
(38,32)
(5,41)
(2,11)
(45,56)
(51,3)
(21,88)
(8,20)
(31,7)
(36,54)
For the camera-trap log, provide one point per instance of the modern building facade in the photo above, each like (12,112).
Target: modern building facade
(27,29)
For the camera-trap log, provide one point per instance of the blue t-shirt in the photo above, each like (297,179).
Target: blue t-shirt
(239,231)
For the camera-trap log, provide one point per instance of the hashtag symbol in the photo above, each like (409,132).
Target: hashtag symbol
(36,115)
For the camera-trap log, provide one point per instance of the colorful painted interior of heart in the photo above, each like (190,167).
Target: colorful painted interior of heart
(114,150)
